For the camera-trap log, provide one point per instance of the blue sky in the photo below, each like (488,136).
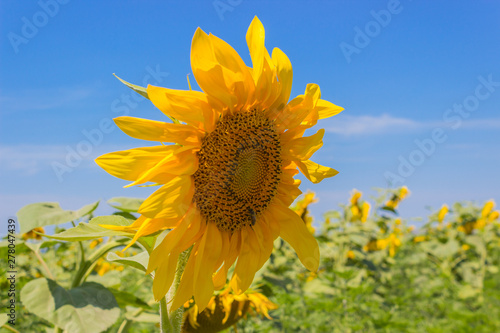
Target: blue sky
(419,81)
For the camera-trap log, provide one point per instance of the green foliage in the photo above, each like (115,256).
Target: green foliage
(49,213)
(382,276)
(377,274)
(129,205)
(84,309)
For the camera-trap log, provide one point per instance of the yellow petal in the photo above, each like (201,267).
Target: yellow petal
(299,109)
(248,262)
(314,171)
(285,76)
(233,253)
(266,240)
(219,280)
(183,161)
(289,192)
(145,129)
(164,276)
(327,109)
(208,254)
(170,241)
(185,290)
(293,133)
(188,106)
(263,72)
(219,70)
(237,72)
(294,231)
(303,148)
(171,200)
(131,164)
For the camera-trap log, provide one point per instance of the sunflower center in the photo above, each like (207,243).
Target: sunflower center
(239,170)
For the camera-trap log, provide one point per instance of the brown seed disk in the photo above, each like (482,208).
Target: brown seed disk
(239,170)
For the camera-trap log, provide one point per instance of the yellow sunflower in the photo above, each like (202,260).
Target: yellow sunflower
(225,310)
(227,183)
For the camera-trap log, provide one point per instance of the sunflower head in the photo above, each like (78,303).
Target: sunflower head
(442,213)
(224,310)
(397,197)
(34,234)
(227,183)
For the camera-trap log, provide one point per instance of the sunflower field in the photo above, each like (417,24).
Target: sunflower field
(377,273)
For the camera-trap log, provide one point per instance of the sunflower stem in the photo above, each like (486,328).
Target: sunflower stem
(174,323)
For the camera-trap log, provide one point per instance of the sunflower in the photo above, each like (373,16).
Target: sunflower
(225,310)
(228,181)
(32,234)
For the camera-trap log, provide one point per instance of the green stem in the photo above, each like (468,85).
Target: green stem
(174,323)
(85,267)
(165,324)
(125,325)
(44,265)
(7,327)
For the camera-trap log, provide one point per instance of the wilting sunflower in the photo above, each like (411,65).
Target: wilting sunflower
(227,183)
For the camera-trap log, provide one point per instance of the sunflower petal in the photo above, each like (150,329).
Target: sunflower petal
(243,86)
(219,70)
(299,109)
(284,72)
(303,148)
(264,72)
(294,231)
(233,253)
(207,256)
(145,129)
(188,106)
(182,162)
(131,164)
(164,276)
(247,265)
(171,200)
(314,171)
(327,109)
(170,241)
(185,289)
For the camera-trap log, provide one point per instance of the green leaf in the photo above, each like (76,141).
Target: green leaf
(129,205)
(35,247)
(126,215)
(111,220)
(124,299)
(111,279)
(468,291)
(88,308)
(139,261)
(478,243)
(317,286)
(138,89)
(3,319)
(49,213)
(143,317)
(92,230)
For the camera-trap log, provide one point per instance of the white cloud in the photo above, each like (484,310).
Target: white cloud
(363,125)
(29,159)
(491,123)
(42,99)
(386,124)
